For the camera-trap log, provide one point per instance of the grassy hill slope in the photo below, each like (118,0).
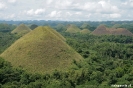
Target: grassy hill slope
(40,51)
(102,30)
(121,31)
(72,29)
(85,31)
(60,28)
(21,30)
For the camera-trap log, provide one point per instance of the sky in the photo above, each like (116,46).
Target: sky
(67,10)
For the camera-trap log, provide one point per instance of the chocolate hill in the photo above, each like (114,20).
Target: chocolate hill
(85,31)
(60,27)
(33,26)
(21,30)
(85,26)
(102,30)
(71,28)
(42,50)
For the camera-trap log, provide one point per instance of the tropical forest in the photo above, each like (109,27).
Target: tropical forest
(66,54)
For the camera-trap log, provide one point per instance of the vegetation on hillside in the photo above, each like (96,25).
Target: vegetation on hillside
(6,27)
(6,38)
(107,60)
(33,26)
(85,31)
(72,29)
(21,30)
(44,48)
(103,30)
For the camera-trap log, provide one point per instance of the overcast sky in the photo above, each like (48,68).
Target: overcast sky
(69,10)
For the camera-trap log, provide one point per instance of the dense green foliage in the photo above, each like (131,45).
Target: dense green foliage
(6,39)
(38,47)
(6,27)
(108,57)
(84,44)
(107,60)
(33,26)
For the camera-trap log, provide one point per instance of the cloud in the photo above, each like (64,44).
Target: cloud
(30,12)
(115,15)
(78,13)
(100,7)
(68,14)
(33,12)
(55,14)
(49,1)
(39,11)
(2,6)
(11,1)
(12,16)
(67,9)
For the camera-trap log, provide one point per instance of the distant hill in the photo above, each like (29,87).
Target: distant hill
(60,28)
(33,26)
(41,51)
(21,30)
(85,31)
(121,31)
(71,28)
(116,26)
(102,30)
(85,26)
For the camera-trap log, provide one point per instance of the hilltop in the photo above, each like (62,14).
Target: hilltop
(33,26)
(121,31)
(85,26)
(71,28)
(60,28)
(41,50)
(85,31)
(21,30)
(103,30)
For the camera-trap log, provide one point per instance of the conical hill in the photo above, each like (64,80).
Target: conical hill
(102,30)
(85,31)
(121,31)
(33,26)
(56,33)
(21,30)
(72,28)
(41,50)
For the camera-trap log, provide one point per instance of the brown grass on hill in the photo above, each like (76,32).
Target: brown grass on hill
(102,30)
(41,50)
(121,31)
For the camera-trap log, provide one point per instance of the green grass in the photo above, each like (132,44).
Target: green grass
(73,29)
(41,51)
(21,30)
(85,31)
